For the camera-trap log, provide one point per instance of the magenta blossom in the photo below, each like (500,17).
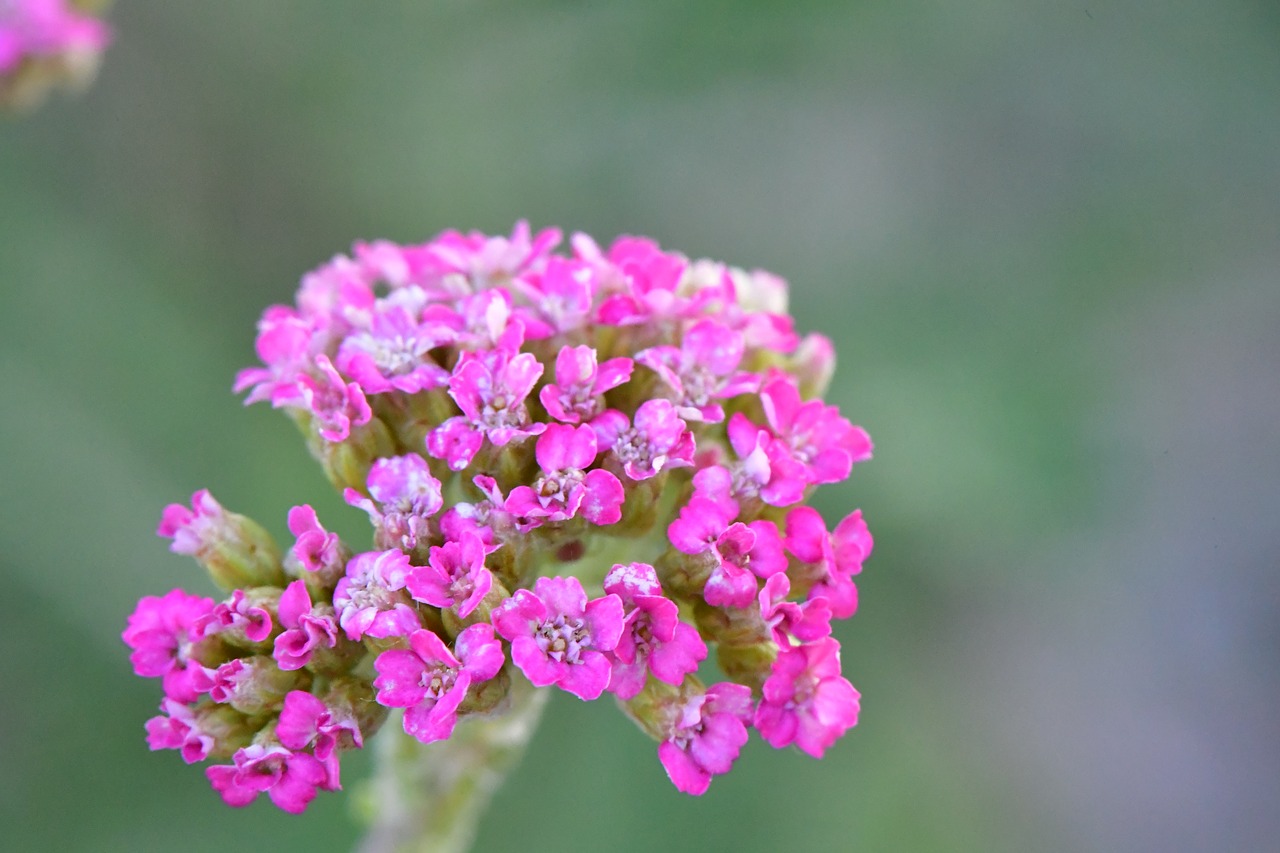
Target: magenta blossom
(289,778)
(491,391)
(394,353)
(316,549)
(370,598)
(705,368)
(813,433)
(564,489)
(651,293)
(830,560)
(160,632)
(577,395)
(306,722)
(563,295)
(762,471)
(238,614)
(806,701)
(307,628)
(656,442)
(558,637)
(454,577)
(178,728)
(429,681)
(337,406)
(806,622)
(407,498)
(739,553)
(653,637)
(704,733)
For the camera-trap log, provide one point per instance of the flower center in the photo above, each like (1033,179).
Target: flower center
(564,639)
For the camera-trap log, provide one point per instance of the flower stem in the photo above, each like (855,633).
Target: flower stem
(428,798)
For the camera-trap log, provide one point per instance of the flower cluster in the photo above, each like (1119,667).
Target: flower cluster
(585,471)
(44,43)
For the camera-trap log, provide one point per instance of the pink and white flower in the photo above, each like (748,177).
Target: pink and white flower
(653,639)
(656,442)
(407,497)
(702,370)
(564,489)
(161,634)
(370,598)
(577,395)
(430,682)
(307,627)
(455,576)
(704,733)
(289,778)
(558,637)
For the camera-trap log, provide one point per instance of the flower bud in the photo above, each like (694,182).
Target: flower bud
(235,550)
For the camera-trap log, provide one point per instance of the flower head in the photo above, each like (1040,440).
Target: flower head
(511,420)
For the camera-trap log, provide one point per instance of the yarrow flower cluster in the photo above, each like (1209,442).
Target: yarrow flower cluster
(586,471)
(45,43)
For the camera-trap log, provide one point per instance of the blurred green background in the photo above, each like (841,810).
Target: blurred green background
(1045,237)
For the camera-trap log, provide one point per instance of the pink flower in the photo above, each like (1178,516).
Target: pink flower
(161,636)
(370,598)
(394,354)
(487,262)
(407,498)
(336,405)
(287,344)
(178,728)
(198,529)
(307,628)
(763,470)
(813,433)
(657,441)
(564,489)
(563,294)
(306,722)
(487,518)
(558,637)
(705,368)
(454,577)
(806,622)
(577,395)
(490,390)
(238,615)
(316,549)
(740,552)
(289,778)
(753,303)
(806,701)
(653,637)
(830,560)
(252,685)
(428,681)
(703,735)
(745,552)
(650,280)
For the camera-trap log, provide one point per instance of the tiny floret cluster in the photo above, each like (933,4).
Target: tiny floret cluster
(44,43)
(585,470)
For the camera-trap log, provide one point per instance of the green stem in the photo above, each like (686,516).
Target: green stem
(428,798)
